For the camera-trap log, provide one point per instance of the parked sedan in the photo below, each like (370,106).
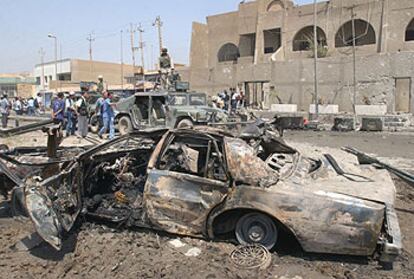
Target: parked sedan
(208,183)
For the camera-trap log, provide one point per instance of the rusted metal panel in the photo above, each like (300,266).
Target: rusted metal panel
(322,222)
(244,165)
(179,203)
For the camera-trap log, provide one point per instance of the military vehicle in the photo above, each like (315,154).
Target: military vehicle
(170,109)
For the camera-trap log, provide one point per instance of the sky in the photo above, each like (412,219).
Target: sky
(25,24)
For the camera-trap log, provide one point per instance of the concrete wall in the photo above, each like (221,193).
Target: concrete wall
(291,72)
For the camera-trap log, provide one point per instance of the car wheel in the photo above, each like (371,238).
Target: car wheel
(185,124)
(94,124)
(256,228)
(124,125)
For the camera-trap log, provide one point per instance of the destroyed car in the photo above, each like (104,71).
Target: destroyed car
(208,183)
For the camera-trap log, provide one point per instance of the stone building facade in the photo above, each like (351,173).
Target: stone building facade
(266,49)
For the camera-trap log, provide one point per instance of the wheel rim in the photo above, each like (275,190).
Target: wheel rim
(256,228)
(123,126)
(185,124)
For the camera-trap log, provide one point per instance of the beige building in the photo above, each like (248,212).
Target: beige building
(17,85)
(266,49)
(70,72)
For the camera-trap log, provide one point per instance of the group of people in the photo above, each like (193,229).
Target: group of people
(74,112)
(229,101)
(30,106)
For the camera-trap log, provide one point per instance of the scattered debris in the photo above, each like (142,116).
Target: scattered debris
(251,257)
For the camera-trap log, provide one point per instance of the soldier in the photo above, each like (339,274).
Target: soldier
(101,85)
(165,67)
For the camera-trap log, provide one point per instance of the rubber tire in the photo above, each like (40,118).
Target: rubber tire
(185,124)
(268,226)
(125,125)
(94,124)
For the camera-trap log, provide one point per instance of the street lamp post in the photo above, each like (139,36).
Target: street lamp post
(56,58)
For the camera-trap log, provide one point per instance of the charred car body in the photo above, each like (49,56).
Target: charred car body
(211,184)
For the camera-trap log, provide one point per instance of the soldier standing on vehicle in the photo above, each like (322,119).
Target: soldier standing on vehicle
(165,64)
(4,110)
(82,108)
(101,85)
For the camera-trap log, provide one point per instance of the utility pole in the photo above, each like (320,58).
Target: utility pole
(315,62)
(42,63)
(141,47)
(132,31)
(122,60)
(158,23)
(354,64)
(90,39)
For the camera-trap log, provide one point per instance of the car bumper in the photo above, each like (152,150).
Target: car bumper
(392,244)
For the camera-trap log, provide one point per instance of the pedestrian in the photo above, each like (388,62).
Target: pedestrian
(31,107)
(58,109)
(37,103)
(18,106)
(226,100)
(82,108)
(4,111)
(108,116)
(98,110)
(70,114)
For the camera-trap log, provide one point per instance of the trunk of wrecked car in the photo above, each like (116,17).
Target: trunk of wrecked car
(107,181)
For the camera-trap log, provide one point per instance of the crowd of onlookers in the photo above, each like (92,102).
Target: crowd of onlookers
(21,106)
(73,113)
(230,101)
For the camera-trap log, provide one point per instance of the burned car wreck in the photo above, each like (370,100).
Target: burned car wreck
(209,183)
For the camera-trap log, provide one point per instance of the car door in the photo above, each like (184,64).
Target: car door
(179,198)
(54,204)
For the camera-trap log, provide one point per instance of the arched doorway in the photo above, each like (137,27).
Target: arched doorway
(228,52)
(303,40)
(409,31)
(275,6)
(364,34)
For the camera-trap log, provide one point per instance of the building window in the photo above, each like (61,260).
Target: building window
(247,45)
(45,79)
(275,6)
(38,80)
(272,40)
(228,52)
(304,39)
(409,32)
(364,34)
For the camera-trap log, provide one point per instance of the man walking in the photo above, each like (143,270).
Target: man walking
(4,111)
(18,106)
(108,116)
(83,114)
(70,114)
(31,107)
(58,112)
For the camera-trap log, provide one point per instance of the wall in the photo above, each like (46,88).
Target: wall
(291,72)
